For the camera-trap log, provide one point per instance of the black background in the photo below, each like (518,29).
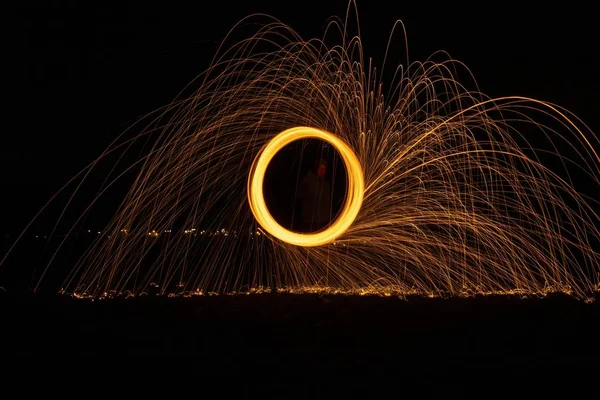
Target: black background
(79,73)
(82,72)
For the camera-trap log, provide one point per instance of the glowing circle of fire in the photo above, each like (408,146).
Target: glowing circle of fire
(354,193)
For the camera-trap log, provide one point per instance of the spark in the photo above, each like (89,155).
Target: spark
(447,196)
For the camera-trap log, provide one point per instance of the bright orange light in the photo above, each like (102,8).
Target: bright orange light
(354,196)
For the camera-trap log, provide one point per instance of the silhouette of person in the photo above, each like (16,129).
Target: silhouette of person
(314,194)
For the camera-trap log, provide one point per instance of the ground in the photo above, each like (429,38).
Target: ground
(429,339)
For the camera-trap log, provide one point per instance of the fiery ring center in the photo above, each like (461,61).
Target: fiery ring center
(354,194)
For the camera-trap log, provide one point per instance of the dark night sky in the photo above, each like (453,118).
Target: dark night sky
(80,74)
